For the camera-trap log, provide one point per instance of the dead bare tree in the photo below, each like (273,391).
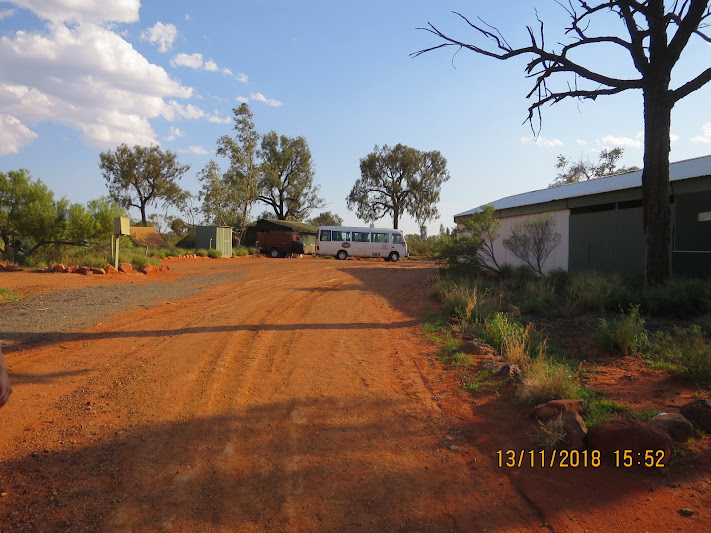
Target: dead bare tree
(657,38)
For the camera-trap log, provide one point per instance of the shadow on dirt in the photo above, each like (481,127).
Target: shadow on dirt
(326,464)
(51,338)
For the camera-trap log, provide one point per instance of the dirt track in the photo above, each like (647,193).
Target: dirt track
(293,398)
(295,395)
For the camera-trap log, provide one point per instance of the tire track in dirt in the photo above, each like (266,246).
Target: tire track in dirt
(273,403)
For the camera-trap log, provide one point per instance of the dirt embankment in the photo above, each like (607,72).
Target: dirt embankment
(276,395)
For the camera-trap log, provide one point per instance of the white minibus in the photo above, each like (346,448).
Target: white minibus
(342,242)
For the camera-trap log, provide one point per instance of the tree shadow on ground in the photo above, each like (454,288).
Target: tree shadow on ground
(302,465)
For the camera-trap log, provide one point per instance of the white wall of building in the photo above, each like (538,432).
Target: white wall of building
(559,255)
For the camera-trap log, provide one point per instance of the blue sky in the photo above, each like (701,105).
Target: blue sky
(78,77)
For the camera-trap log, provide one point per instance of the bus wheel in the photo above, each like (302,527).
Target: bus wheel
(274,253)
(394,256)
(341,255)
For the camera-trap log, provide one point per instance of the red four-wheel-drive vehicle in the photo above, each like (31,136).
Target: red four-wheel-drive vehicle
(279,244)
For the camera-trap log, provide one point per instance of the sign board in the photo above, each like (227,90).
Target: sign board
(122,226)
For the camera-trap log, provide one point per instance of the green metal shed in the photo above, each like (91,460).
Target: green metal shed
(214,238)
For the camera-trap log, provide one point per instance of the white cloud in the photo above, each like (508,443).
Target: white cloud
(187,60)
(242,77)
(196,61)
(218,120)
(242,99)
(610,141)
(162,35)
(543,142)
(199,150)
(14,135)
(7,13)
(189,111)
(259,97)
(705,137)
(580,142)
(174,134)
(83,10)
(187,17)
(86,77)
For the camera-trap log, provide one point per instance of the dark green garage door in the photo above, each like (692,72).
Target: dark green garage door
(607,238)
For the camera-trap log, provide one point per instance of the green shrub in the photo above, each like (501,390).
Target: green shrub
(214,253)
(515,277)
(685,352)
(625,335)
(559,278)
(589,291)
(201,252)
(678,297)
(538,296)
(240,251)
(596,408)
(253,251)
(545,380)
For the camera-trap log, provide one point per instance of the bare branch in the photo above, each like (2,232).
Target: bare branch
(691,86)
(687,26)
(554,98)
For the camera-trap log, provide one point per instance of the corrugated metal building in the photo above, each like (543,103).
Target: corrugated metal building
(214,238)
(600,221)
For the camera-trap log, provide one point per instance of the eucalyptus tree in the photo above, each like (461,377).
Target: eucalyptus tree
(287,177)
(141,176)
(398,180)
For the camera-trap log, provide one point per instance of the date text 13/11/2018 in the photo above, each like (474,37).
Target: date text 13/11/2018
(578,458)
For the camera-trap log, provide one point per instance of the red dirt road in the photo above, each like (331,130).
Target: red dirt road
(293,398)
(297,395)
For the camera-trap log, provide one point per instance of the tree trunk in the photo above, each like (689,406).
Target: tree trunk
(656,190)
(143,214)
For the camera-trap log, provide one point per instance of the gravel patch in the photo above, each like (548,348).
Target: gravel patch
(39,317)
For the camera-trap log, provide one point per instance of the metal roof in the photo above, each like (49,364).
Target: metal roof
(681,170)
(299,227)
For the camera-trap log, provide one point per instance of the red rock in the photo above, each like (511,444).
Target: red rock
(99,271)
(84,270)
(59,268)
(13,268)
(698,413)
(627,434)
(575,431)
(72,269)
(150,270)
(164,267)
(111,270)
(553,408)
(126,268)
(477,348)
(2,267)
(678,427)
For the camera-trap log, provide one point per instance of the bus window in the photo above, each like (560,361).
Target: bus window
(340,236)
(325,235)
(398,239)
(361,236)
(379,237)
